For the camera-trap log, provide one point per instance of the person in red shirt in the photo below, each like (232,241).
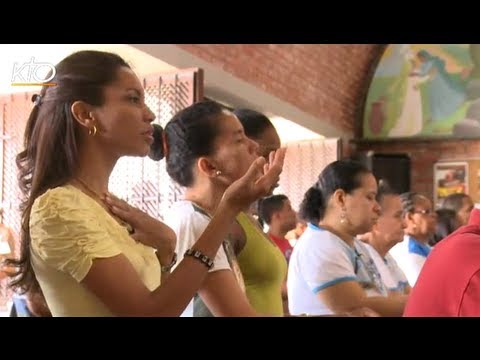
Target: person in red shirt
(276,211)
(449,282)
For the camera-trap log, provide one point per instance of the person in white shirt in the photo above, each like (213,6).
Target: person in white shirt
(330,271)
(421,220)
(385,234)
(207,150)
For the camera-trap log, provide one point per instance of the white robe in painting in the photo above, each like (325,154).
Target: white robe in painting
(410,121)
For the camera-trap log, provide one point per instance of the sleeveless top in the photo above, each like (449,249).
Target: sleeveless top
(264,269)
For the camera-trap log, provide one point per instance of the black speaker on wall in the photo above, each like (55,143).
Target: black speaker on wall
(394,168)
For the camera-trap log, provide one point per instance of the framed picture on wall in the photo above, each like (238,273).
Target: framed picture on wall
(449,178)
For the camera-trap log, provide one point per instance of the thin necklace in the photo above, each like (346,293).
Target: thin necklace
(84,184)
(200,207)
(123,223)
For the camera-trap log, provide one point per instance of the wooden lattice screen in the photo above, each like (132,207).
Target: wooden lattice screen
(303,163)
(14,111)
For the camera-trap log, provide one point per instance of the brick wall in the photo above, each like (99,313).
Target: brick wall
(328,81)
(424,154)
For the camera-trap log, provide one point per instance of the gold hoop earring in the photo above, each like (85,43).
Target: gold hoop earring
(92,131)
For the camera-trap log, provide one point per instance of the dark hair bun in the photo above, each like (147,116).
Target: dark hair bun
(157,151)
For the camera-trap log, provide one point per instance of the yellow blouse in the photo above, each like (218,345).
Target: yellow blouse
(68,231)
(264,269)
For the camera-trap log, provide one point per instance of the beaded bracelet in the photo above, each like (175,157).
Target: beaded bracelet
(200,256)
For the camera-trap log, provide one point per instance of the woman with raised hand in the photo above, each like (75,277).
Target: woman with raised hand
(207,151)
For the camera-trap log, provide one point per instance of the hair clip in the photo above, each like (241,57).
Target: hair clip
(159,148)
(36,99)
(165,144)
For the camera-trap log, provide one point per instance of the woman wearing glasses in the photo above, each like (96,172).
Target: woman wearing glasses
(421,221)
